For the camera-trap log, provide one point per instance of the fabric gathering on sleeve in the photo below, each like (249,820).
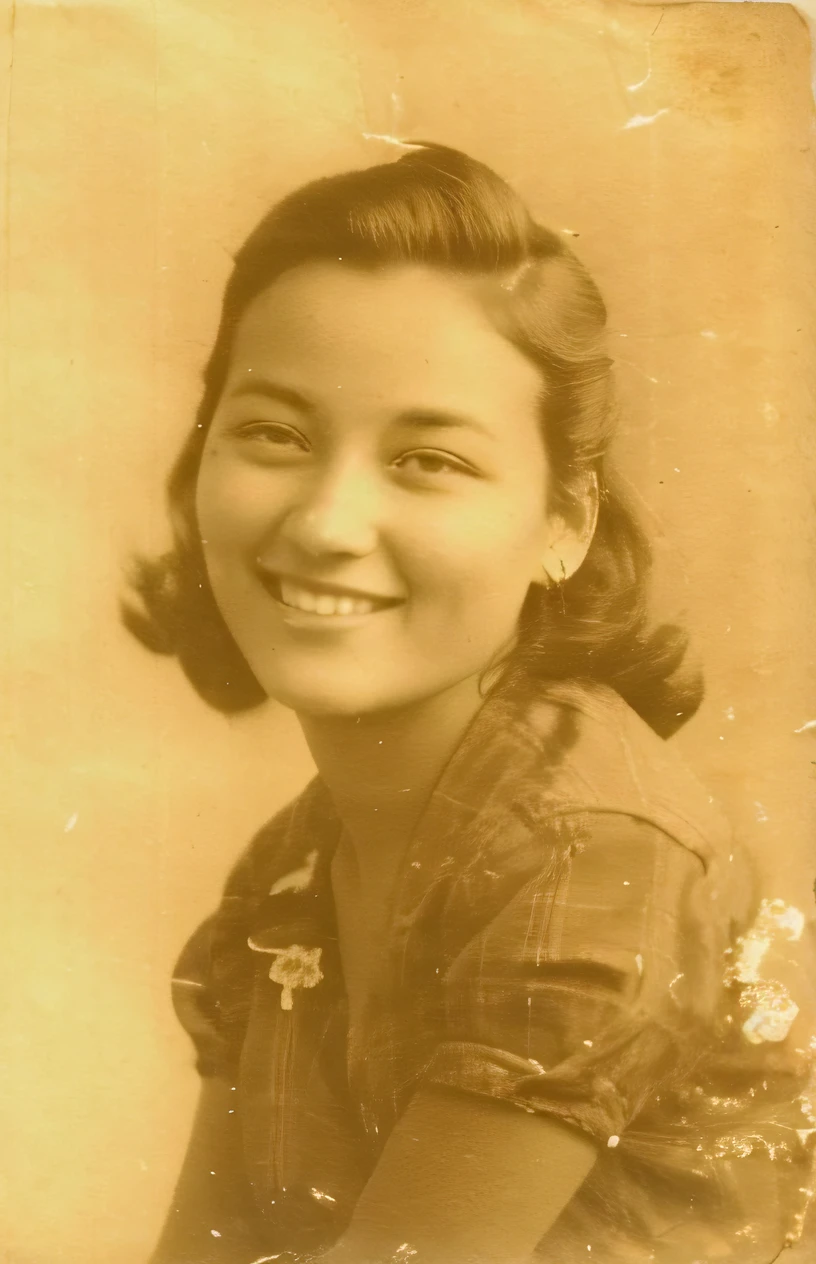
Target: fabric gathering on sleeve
(586,992)
(212,978)
(211,987)
(195,1003)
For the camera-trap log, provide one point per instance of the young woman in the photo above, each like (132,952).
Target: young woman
(487,990)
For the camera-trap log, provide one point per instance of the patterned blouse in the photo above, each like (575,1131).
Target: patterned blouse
(574,933)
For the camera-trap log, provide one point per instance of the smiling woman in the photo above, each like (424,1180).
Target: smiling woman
(383,479)
(471,997)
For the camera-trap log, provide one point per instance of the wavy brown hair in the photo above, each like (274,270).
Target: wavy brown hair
(440,208)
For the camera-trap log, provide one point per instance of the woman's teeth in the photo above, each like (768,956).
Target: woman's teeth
(322,603)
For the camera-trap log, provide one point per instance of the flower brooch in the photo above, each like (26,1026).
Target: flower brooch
(293,967)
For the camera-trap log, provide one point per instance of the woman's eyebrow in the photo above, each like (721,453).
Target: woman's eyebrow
(273,390)
(442,419)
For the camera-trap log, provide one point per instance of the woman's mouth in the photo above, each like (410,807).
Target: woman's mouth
(325,600)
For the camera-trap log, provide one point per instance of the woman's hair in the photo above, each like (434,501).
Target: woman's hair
(438,207)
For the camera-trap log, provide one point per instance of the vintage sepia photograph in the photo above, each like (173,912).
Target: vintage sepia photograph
(410,695)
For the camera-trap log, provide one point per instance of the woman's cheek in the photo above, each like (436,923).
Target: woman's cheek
(487,555)
(232,504)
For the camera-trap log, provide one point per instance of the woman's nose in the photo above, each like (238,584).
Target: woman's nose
(335,515)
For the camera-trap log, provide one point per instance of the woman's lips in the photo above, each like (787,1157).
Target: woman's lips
(316,597)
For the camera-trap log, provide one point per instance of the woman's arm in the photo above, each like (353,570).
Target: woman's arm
(211,1197)
(465,1180)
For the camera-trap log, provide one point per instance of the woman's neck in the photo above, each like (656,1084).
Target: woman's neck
(380,769)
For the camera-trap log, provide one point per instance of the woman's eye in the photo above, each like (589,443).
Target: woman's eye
(431,463)
(274,436)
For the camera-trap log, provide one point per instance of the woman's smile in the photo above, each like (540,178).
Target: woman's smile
(373,489)
(332,605)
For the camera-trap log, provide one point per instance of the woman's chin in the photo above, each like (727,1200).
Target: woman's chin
(325,699)
(351,696)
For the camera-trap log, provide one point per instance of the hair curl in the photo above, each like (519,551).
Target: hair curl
(438,207)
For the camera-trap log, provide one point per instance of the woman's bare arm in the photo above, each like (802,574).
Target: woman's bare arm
(212,1196)
(465,1180)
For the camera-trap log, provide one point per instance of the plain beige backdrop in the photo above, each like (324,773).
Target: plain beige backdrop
(673,145)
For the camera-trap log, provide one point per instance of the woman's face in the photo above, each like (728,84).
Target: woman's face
(372,497)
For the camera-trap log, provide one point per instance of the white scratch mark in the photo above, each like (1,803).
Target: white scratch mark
(318,1193)
(390,140)
(761,814)
(729,713)
(215,1233)
(654,380)
(626,883)
(807,727)
(643,120)
(639,962)
(588,1044)
(570,232)
(676,979)
(635,87)
(612,1142)
(298,879)
(71,822)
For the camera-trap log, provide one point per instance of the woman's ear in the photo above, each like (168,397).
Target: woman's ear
(569,534)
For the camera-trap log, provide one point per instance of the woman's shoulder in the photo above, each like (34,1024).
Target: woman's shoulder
(567,799)
(587,751)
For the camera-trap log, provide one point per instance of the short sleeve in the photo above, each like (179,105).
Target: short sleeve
(194,1002)
(211,988)
(586,991)
(212,979)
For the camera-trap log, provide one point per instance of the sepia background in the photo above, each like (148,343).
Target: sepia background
(673,145)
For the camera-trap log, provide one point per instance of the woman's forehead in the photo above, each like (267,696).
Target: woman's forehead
(408,329)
